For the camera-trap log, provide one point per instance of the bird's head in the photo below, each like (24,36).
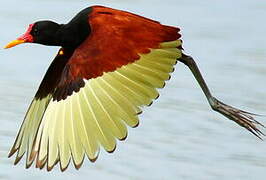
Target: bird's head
(41,32)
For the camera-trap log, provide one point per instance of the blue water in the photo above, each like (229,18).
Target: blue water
(179,137)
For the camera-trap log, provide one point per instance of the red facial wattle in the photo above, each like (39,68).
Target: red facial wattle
(27,37)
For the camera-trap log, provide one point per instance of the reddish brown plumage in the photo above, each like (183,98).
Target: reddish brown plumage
(117,38)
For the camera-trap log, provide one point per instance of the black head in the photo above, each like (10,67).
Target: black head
(49,33)
(41,32)
(45,32)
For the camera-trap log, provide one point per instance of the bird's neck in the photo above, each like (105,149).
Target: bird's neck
(71,35)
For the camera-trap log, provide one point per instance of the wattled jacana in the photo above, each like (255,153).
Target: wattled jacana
(109,66)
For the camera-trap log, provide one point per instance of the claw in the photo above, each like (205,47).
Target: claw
(242,118)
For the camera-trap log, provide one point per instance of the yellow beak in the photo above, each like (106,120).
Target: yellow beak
(14,43)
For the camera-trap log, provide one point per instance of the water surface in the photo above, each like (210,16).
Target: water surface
(179,137)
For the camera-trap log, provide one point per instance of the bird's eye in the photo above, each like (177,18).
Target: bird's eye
(35,31)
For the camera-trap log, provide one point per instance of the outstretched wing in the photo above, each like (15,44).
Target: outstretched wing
(34,115)
(101,88)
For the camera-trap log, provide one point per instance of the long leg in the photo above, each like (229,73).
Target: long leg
(242,118)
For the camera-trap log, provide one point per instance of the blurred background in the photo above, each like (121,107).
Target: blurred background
(179,137)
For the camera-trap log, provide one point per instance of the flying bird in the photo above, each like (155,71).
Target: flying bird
(109,66)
